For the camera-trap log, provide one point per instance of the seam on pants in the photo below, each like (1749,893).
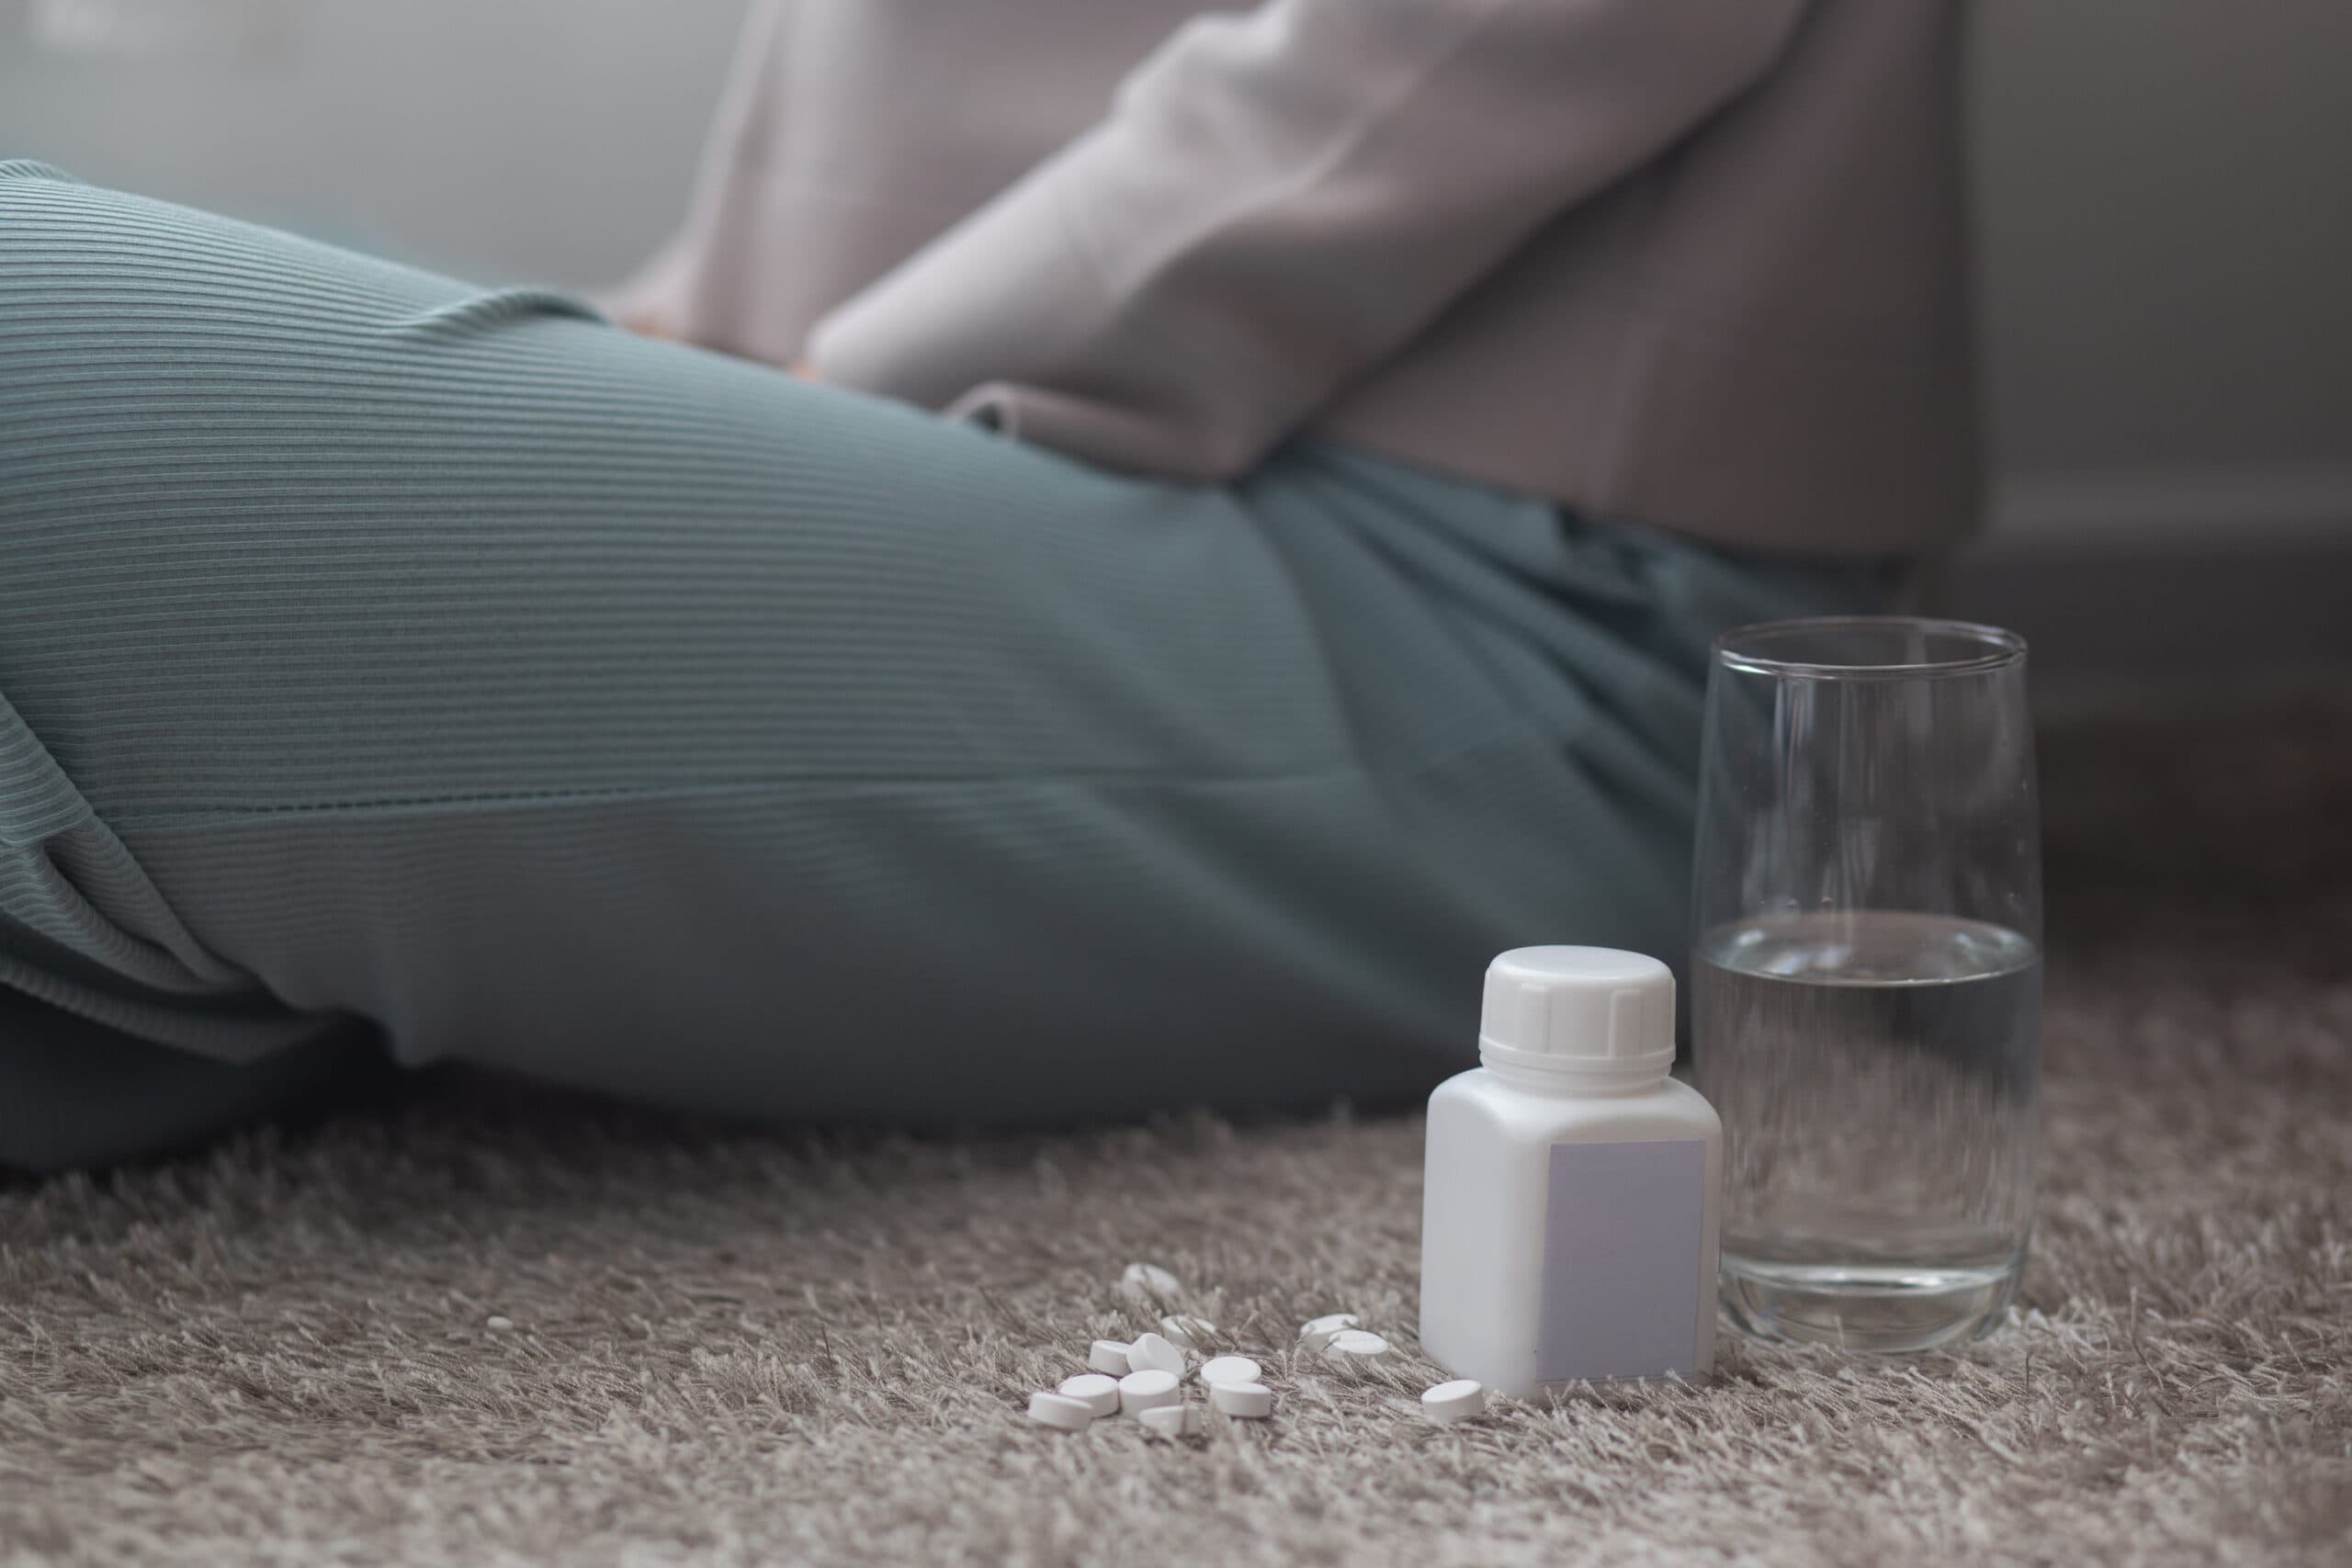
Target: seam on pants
(523,799)
(515,799)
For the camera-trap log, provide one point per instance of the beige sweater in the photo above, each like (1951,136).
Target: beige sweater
(1698,263)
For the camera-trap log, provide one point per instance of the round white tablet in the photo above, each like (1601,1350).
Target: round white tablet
(1096,1391)
(1228,1369)
(1455,1401)
(1053,1410)
(1316,1333)
(1146,1390)
(1150,1352)
(1187,1330)
(1109,1357)
(1251,1401)
(1172,1420)
(1356,1342)
(1143,1283)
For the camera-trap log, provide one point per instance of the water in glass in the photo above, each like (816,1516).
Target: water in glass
(1881,1097)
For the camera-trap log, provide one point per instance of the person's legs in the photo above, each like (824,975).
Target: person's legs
(644,720)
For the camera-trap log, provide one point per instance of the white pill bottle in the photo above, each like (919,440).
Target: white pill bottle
(1571,1205)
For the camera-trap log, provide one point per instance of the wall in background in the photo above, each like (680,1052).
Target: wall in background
(2166,239)
(501,139)
(2167,261)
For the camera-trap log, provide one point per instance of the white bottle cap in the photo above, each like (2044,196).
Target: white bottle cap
(1585,1010)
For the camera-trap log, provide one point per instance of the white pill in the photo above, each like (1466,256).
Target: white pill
(1053,1410)
(1356,1342)
(1109,1357)
(1146,1390)
(1097,1392)
(1455,1401)
(1251,1401)
(1187,1330)
(1143,1283)
(498,1325)
(1316,1334)
(1229,1369)
(1173,1421)
(1150,1352)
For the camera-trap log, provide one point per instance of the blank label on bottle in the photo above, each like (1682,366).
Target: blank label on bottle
(1621,1231)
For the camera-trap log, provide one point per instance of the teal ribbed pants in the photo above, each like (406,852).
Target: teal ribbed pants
(391,666)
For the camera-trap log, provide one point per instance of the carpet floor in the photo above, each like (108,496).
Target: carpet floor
(480,1326)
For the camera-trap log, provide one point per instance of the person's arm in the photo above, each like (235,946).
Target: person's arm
(653,300)
(1277,200)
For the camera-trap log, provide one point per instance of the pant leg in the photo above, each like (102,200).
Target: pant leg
(639,719)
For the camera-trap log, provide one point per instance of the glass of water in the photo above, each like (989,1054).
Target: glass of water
(1867,976)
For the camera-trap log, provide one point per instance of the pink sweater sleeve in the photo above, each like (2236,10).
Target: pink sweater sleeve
(1277,200)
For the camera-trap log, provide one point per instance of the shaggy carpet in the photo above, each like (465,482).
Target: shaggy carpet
(481,1326)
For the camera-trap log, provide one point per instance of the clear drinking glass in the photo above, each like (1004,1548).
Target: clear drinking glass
(1867,976)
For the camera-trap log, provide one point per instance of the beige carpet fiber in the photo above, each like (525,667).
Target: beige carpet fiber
(476,1328)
